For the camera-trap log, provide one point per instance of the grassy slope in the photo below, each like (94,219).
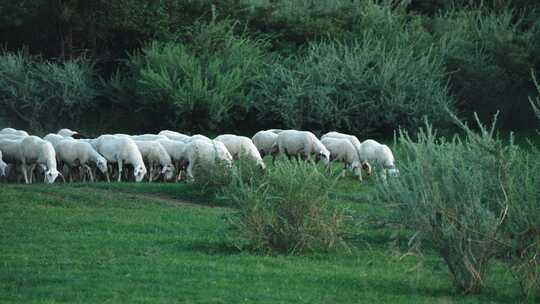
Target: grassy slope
(123,243)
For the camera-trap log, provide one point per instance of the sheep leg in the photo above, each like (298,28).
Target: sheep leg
(151,174)
(119,170)
(31,170)
(25,173)
(89,173)
(190,171)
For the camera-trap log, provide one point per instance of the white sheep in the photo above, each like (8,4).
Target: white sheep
(11,136)
(54,139)
(11,152)
(175,135)
(342,150)
(36,151)
(79,154)
(302,143)
(241,145)
(203,152)
(156,155)
(275,131)
(147,137)
(3,165)
(66,133)
(13,132)
(199,137)
(378,155)
(265,141)
(175,149)
(120,150)
(353,139)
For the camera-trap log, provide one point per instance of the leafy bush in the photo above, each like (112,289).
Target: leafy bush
(197,86)
(357,88)
(286,211)
(535,103)
(487,56)
(36,93)
(211,178)
(522,226)
(454,194)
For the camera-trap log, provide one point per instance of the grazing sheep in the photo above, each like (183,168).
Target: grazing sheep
(13,132)
(54,139)
(342,150)
(67,133)
(199,137)
(3,165)
(241,145)
(147,137)
(11,136)
(175,149)
(36,151)
(275,131)
(79,154)
(265,141)
(353,139)
(379,155)
(155,155)
(302,143)
(120,150)
(201,152)
(175,135)
(11,153)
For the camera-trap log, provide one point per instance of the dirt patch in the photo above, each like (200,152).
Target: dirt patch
(161,198)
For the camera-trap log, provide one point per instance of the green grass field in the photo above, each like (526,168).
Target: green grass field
(164,243)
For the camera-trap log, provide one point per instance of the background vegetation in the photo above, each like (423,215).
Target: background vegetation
(359,66)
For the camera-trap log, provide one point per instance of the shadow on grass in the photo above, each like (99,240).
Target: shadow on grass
(210,248)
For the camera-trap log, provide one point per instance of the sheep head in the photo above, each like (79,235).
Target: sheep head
(102,165)
(51,175)
(139,173)
(168,172)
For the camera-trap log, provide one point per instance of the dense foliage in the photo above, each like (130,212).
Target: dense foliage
(359,66)
(471,200)
(286,210)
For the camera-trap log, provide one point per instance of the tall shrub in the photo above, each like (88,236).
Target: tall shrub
(201,85)
(455,196)
(487,56)
(355,87)
(286,210)
(43,95)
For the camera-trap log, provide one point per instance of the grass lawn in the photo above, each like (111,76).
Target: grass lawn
(160,243)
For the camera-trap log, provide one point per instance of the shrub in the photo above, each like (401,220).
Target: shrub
(522,226)
(286,211)
(211,178)
(34,92)
(535,103)
(357,88)
(454,196)
(198,86)
(487,56)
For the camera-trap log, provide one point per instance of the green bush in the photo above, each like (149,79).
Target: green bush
(197,86)
(487,56)
(42,95)
(522,226)
(452,195)
(358,88)
(286,211)
(211,178)
(535,103)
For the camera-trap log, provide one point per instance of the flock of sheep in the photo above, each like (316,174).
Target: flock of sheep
(166,155)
